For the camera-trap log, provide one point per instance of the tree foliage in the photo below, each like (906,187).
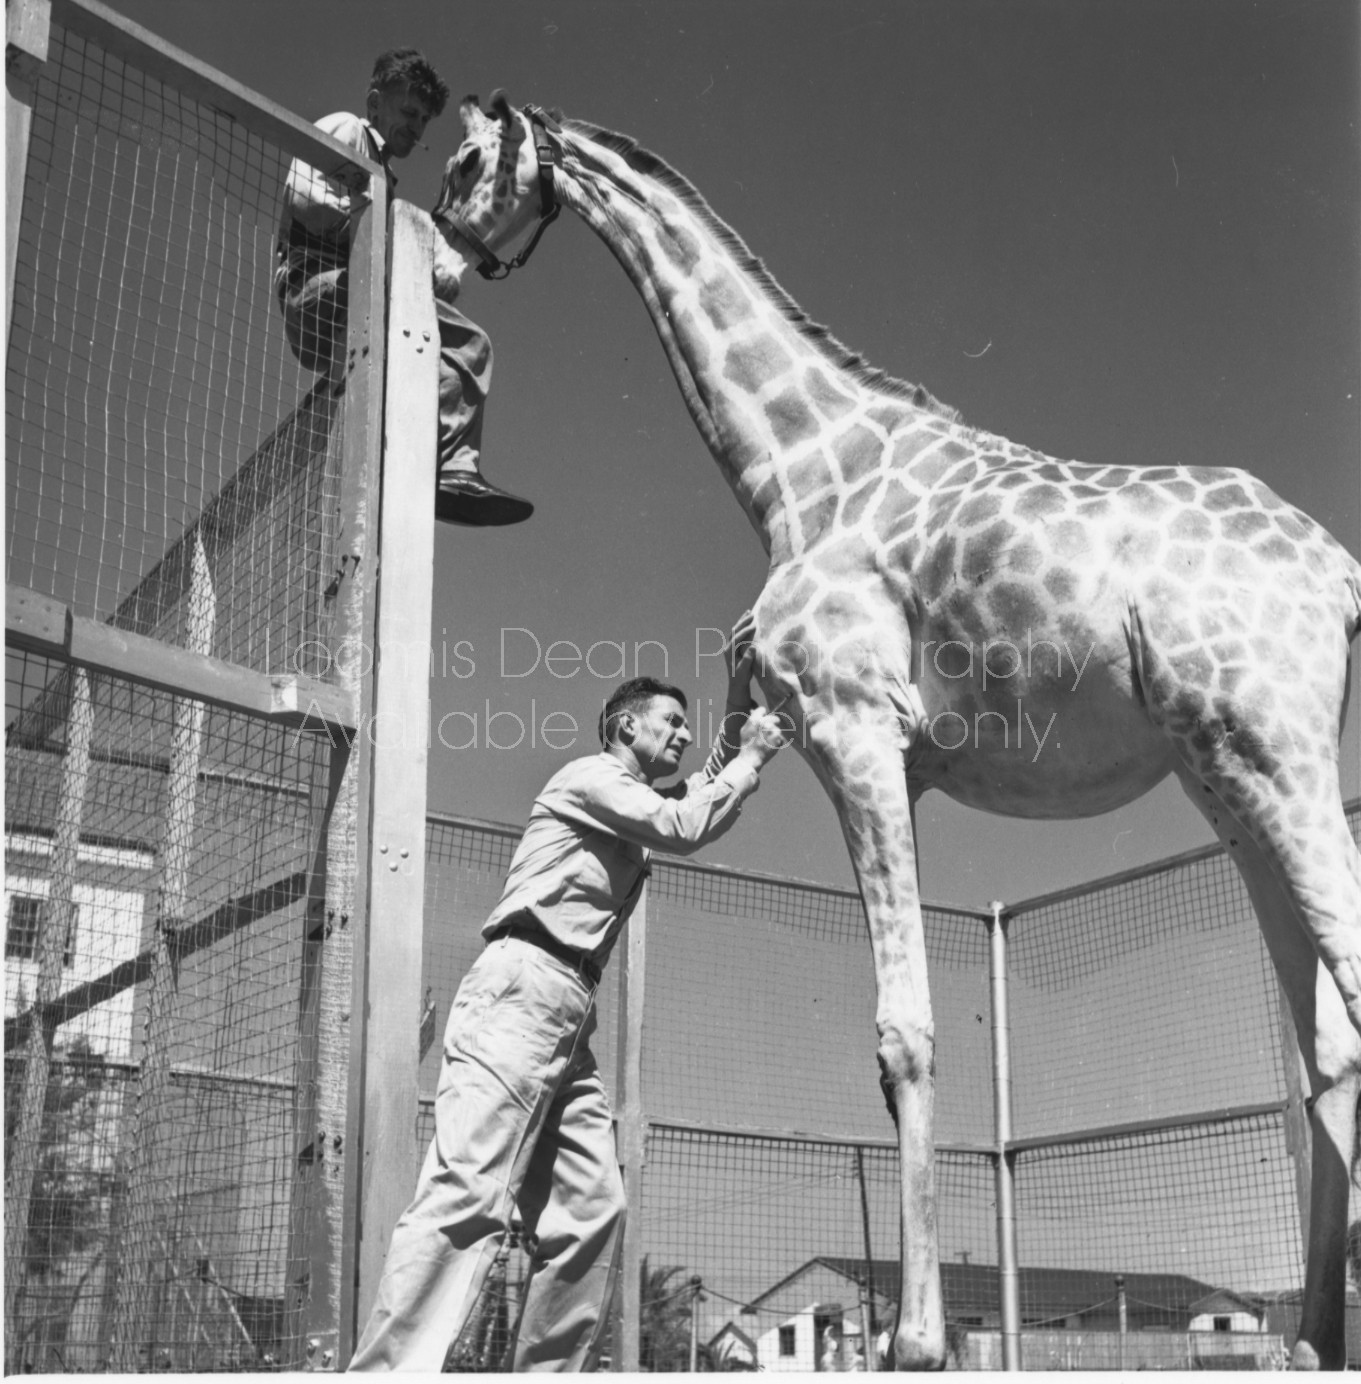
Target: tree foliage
(664,1333)
(69,1183)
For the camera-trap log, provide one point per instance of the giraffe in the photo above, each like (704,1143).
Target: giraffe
(933,588)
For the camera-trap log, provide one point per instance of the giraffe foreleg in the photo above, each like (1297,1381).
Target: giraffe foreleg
(859,759)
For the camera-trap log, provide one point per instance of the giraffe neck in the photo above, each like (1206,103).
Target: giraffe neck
(777,400)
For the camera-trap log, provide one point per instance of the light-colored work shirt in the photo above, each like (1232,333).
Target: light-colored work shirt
(579,868)
(318,204)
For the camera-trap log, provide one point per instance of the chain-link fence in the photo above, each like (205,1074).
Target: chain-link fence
(1155,1191)
(176,490)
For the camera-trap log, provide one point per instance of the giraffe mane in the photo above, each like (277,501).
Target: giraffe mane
(650,165)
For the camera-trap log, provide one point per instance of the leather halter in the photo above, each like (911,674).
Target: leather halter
(540,122)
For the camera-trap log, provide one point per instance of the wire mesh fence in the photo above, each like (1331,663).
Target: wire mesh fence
(161,997)
(173,475)
(150,393)
(1155,1188)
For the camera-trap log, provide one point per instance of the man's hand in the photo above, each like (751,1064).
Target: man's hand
(740,657)
(355,179)
(447,268)
(764,733)
(322,204)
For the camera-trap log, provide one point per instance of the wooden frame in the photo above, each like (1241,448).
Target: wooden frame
(384,1053)
(330,1089)
(46,626)
(145,51)
(27,27)
(320,1298)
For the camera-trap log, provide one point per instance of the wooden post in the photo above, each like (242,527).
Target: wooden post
(57,917)
(311,1292)
(333,1136)
(386,1035)
(631,1138)
(326,1179)
(28,25)
(138,1255)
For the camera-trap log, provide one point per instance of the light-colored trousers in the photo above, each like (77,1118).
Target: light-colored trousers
(521,1119)
(314,301)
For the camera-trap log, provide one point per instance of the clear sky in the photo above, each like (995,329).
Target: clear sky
(1119,231)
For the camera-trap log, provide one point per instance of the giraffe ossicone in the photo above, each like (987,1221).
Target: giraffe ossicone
(947,609)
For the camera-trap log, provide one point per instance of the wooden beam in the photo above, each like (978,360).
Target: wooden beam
(27,27)
(135,1260)
(224,920)
(36,622)
(45,626)
(142,49)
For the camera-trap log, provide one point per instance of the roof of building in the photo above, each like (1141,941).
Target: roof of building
(1223,1300)
(730,1331)
(1045,1293)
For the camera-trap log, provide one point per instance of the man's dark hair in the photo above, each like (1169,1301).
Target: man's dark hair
(407,66)
(633,695)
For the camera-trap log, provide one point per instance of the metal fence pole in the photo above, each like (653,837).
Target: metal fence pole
(867,1285)
(1298,1136)
(1008,1271)
(630,1127)
(1122,1313)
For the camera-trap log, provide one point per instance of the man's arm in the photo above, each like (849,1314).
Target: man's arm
(322,203)
(608,798)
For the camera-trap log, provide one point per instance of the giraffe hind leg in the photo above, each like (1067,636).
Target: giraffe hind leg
(1331,1050)
(1267,756)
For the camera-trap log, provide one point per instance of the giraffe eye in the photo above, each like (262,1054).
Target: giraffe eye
(469,163)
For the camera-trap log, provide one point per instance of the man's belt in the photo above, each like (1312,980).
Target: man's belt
(578,961)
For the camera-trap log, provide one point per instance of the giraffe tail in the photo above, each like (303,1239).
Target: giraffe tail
(1353,626)
(1353,580)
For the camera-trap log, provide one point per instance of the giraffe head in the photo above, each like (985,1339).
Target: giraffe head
(491,186)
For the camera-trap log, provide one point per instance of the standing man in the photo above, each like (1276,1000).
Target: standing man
(521,1116)
(312,281)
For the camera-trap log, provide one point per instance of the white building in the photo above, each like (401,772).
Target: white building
(1226,1311)
(110,893)
(811,1320)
